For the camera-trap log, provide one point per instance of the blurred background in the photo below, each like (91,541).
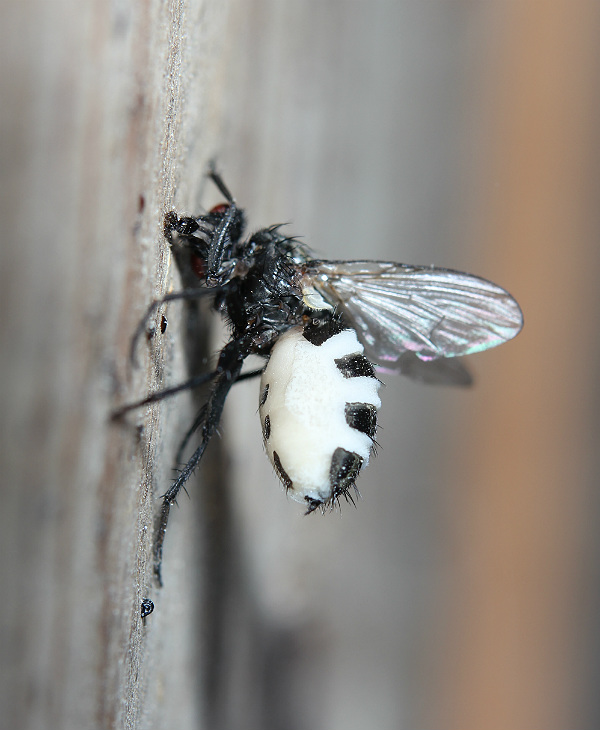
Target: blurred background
(462,592)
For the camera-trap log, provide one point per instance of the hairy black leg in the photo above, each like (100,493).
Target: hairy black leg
(220,242)
(194,382)
(174,296)
(218,181)
(228,371)
(200,417)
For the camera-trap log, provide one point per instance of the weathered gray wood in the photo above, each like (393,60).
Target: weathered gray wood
(100,105)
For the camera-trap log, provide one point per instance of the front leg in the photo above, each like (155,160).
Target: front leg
(228,370)
(195,293)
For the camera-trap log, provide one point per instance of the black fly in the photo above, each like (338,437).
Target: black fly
(321,325)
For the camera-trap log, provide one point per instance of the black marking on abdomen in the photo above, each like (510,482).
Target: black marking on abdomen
(263,395)
(362,417)
(355,366)
(318,331)
(313,504)
(267,428)
(345,467)
(281,472)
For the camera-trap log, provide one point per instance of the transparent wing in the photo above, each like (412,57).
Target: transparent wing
(427,311)
(443,371)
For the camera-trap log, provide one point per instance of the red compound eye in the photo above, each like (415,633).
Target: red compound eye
(198,266)
(221,208)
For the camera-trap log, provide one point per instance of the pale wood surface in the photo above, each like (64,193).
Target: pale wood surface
(93,102)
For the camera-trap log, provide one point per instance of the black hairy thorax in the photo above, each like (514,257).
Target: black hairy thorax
(259,288)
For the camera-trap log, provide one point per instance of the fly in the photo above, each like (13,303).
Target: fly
(325,329)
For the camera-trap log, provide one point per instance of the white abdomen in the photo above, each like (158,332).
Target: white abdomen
(318,407)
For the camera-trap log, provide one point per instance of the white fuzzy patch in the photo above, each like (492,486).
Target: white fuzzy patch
(306,407)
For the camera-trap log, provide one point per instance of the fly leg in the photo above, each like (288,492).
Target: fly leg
(195,293)
(159,395)
(228,370)
(200,417)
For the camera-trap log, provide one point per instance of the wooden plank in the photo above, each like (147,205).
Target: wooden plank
(97,119)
